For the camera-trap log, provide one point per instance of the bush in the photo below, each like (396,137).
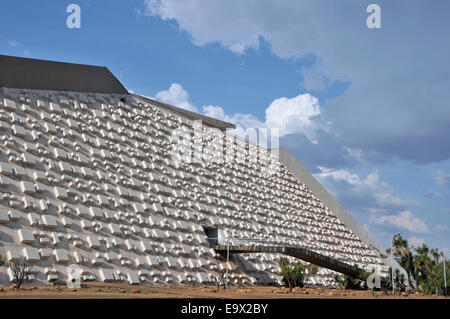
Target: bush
(349,282)
(20,271)
(295,274)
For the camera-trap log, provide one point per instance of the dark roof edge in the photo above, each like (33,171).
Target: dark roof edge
(34,74)
(189,114)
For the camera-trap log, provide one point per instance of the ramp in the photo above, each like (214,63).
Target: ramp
(297,252)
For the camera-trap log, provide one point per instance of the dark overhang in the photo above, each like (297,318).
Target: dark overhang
(24,73)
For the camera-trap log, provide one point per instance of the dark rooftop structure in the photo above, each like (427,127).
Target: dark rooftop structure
(24,73)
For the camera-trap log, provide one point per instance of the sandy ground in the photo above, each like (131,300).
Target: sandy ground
(103,290)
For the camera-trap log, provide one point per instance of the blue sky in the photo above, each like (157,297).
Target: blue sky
(366,110)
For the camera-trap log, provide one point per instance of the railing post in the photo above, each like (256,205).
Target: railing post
(228,262)
(445,279)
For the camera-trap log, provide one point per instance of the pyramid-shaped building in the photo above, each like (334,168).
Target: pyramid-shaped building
(92,178)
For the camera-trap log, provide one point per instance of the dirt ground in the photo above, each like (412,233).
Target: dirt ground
(104,290)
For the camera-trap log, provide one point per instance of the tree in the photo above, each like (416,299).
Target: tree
(404,255)
(20,271)
(423,265)
(311,270)
(429,269)
(293,274)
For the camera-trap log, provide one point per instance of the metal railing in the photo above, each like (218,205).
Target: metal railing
(234,245)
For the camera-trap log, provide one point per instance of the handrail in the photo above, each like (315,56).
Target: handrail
(300,253)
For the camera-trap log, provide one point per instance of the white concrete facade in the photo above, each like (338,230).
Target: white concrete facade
(89,179)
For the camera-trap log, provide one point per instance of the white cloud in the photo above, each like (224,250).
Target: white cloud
(300,114)
(355,153)
(345,175)
(368,193)
(216,112)
(415,241)
(242,121)
(14,43)
(206,21)
(334,32)
(176,96)
(443,179)
(442,228)
(431,193)
(315,78)
(403,220)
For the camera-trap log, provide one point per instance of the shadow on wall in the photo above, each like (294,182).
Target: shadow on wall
(246,267)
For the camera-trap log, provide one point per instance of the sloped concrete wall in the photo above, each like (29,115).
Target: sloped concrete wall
(302,174)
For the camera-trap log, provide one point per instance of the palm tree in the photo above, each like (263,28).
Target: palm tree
(423,266)
(402,251)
